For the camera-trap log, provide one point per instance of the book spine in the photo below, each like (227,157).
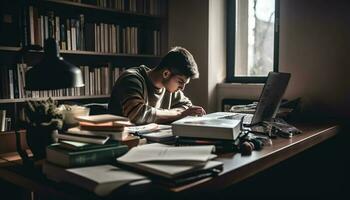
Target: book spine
(92,157)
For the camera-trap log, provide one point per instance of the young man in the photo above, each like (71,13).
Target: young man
(155,95)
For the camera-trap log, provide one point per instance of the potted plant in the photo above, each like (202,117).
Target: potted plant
(43,119)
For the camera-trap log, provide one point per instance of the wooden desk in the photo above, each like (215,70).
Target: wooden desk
(236,166)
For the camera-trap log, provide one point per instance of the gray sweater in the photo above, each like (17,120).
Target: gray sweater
(134,96)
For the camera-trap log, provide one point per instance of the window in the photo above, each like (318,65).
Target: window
(252,39)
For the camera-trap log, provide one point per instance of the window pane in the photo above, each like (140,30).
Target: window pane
(254,49)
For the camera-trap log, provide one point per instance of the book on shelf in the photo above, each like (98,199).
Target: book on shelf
(207,127)
(87,138)
(168,161)
(72,158)
(101,118)
(100,179)
(114,135)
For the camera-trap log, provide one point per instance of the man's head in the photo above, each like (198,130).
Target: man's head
(177,68)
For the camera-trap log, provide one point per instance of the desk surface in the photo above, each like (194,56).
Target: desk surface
(236,167)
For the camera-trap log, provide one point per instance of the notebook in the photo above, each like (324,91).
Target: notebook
(269,101)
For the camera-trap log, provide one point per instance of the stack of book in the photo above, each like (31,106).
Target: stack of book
(100,128)
(96,141)
(85,155)
(77,154)
(208,129)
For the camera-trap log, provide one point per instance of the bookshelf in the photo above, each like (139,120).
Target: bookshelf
(106,37)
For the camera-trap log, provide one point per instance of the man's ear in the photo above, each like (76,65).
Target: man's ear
(166,74)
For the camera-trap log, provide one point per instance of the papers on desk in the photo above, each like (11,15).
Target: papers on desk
(153,132)
(171,162)
(145,129)
(158,152)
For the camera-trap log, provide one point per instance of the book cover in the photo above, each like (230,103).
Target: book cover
(206,127)
(67,158)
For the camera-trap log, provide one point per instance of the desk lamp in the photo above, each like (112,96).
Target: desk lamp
(52,72)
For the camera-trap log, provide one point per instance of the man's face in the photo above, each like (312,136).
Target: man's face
(173,83)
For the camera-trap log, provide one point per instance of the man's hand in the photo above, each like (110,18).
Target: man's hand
(193,111)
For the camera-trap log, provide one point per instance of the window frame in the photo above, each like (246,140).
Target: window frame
(231,43)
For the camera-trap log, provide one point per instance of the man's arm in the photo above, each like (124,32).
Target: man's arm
(166,116)
(179,100)
(181,106)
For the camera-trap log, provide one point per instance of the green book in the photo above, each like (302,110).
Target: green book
(70,158)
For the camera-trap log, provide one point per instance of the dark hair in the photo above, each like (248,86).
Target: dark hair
(180,62)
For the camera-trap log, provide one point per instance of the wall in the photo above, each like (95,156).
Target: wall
(314,47)
(314,43)
(188,27)
(199,26)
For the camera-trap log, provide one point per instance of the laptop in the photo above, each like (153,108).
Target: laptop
(269,101)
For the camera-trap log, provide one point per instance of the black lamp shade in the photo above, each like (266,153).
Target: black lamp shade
(53,72)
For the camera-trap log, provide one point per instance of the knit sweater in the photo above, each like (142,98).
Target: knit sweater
(134,96)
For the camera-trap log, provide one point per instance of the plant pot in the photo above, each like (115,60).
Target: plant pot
(38,138)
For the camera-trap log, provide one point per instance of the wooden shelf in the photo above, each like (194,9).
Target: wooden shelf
(89,53)
(12,132)
(54,98)
(94,8)
(7,48)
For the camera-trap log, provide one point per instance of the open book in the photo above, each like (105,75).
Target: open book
(170,162)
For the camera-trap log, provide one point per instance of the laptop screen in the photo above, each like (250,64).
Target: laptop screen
(271,96)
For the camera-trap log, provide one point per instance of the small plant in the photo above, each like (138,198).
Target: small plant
(43,113)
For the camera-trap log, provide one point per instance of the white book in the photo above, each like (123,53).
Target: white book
(31,24)
(101,118)
(11,84)
(114,39)
(79,137)
(42,30)
(74,37)
(102,38)
(46,23)
(168,161)
(207,127)
(58,28)
(106,40)
(158,152)
(69,36)
(100,179)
